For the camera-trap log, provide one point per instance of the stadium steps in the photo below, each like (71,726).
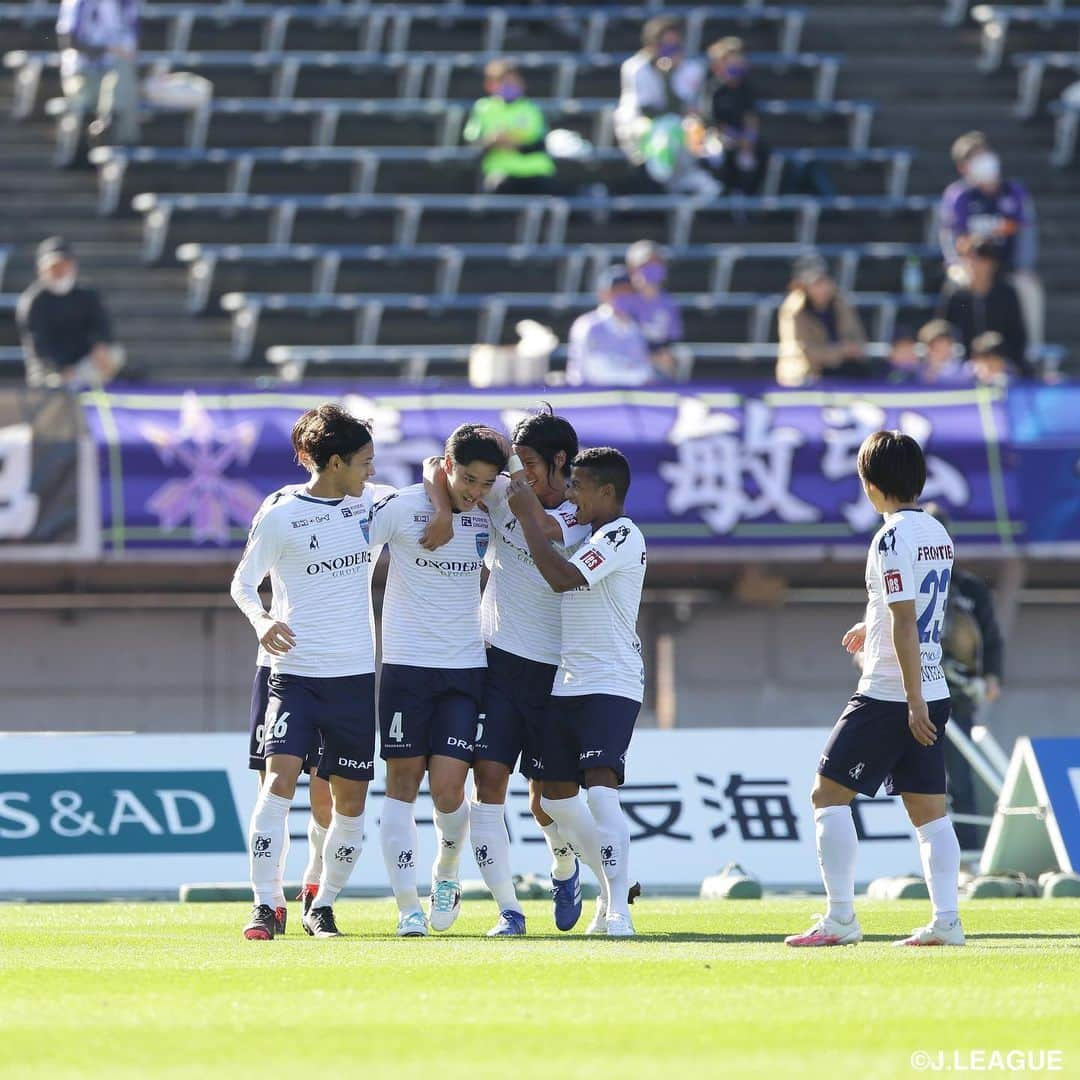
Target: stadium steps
(924,78)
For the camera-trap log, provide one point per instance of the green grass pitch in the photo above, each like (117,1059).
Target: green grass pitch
(706,989)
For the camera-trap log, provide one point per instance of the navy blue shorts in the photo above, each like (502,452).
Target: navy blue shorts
(425,711)
(260,696)
(301,710)
(512,714)
(871,743)
(588,732)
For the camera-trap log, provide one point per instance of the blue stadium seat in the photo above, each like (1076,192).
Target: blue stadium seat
(997,19)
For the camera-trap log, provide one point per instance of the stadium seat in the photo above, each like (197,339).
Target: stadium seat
(1066,124)
(1033,68)
(5,254)
(996,20)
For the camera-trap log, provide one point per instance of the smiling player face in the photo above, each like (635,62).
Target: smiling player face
(591,499)
(547,482)
(350,475)
(469,483)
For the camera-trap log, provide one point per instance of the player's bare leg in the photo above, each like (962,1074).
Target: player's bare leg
(399,840)
(491,844)
(837,846)
(940,853)
(446,778)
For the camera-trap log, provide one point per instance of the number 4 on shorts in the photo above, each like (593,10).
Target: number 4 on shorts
(396,731)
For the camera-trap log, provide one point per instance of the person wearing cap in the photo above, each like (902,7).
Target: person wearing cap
(984,205)
(987,302)
(941,357)
(607,347)
(658,110)
(66,335)
(821,333)
(511,130)
(652,308)
(731,108)
(99,39)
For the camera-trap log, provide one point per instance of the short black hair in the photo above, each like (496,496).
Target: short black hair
(328,430)
(547,434)
(475,442)
(608,466)
(893,462)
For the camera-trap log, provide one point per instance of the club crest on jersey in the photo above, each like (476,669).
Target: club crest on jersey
(481,544)
(894,583)
(888,542)
(365,528)
(617,537)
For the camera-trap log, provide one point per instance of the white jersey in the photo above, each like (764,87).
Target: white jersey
(520,612)
(319,560)
(431,611)
(263,658)
(910,558)
(601,653)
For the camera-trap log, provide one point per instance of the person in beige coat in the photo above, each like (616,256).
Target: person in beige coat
(821,333)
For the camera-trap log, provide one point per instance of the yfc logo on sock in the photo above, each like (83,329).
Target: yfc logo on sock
(260,847)
(607,855)
(482,858)
(345,853)
(405,860)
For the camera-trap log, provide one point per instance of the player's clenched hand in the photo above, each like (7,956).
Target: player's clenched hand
(278,639)
(919,721)
(853,640)
(439,531)
(519,496)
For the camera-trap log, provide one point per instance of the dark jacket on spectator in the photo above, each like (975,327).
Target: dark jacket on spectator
(59,330)
(730,103)
(999,310)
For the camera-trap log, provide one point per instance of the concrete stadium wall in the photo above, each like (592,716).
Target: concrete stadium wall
(190,670)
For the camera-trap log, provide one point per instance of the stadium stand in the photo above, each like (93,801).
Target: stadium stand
(322,199)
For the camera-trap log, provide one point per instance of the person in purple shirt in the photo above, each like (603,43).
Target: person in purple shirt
(607,347)
(652,308)
(983,205)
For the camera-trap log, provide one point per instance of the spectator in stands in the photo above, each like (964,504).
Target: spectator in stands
(99,39)
(738,157)
(511,129)
(658,103)
(904,357)
(607,347)
(652,308)
(821,333)
(989,365)
(942,357)
(973,660)
(982,205)
(987,302)
(65,331)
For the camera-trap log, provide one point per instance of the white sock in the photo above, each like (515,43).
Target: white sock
(579,827)
(266,839)
(491,846)
(399,841)
(940,853)
(344,842)
(837,846)
(614,832)
(316,838)
(279,880)
(562,854)
(451,832)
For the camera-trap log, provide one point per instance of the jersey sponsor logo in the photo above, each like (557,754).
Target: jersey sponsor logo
(473,521)
(306,523)
(421,519)
(894,582)
(451,566)
(351,763)
(482,543)
(592,558)
(888,542)
(340,564)
(937,552)
(569,519)
(617,537)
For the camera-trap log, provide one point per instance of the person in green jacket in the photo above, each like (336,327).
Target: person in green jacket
(511,129)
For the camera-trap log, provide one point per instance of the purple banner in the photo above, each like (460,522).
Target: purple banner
(716,470)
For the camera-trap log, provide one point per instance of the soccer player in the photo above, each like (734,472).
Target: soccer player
(893,729)
(601,677)
(433,671)
(522,627)
(319,635)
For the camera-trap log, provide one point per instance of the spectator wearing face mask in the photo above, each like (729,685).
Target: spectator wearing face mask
(657,115)
(653,309)
(607,347)
(942,357)
(982,205)
(821,333)
(511,129)
(66,336)
(986,303)
(731,109)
